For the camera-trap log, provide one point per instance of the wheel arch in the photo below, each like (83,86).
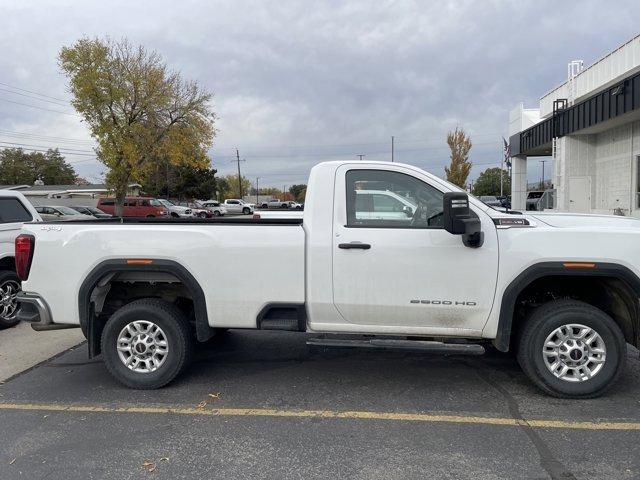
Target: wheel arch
(109,268)
(8,262)
(617,280)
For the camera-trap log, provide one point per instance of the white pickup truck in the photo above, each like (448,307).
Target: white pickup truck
(15,209)
(560,290)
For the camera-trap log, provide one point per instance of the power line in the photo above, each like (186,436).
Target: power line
(35,136)
(66,104)
(35,93)
(405,141)
(39,108)
(31,149)
(46,146)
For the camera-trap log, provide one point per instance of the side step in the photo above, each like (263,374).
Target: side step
(411,345)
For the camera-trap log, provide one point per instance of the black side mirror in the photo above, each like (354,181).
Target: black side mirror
(459,220)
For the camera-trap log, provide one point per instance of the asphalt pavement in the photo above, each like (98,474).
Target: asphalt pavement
(265,405)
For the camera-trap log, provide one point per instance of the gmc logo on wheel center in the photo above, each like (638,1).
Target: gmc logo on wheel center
(445,302)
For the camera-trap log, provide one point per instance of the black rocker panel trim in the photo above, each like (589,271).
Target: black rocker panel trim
(283,316)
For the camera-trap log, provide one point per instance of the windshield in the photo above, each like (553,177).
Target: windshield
(162,201)
(67,211)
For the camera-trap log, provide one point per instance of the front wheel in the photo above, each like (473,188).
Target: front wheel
(9,288)
(571,349)
(146,344)
(246,210)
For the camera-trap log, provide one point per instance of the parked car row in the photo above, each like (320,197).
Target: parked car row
(147,207)
(283,204)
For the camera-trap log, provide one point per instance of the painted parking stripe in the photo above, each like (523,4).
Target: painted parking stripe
(328,414)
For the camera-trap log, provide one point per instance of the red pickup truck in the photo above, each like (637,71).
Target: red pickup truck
(135,207)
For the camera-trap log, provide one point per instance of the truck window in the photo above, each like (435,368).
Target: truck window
(385,199)
(12,210)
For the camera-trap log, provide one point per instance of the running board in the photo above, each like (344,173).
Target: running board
(412,345)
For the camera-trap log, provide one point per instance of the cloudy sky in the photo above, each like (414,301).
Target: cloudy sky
(298,82)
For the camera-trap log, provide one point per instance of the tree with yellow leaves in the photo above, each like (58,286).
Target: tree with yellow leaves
(139,112)
(460,144)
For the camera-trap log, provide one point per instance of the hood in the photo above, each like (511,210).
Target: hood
(179,208)
(568,220)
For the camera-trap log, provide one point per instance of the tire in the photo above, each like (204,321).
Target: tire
(176,332)
(544,324)
(151,216)
(175,215)
(9,287)
(202,215)
(284,205)
(246,211)
(216,213)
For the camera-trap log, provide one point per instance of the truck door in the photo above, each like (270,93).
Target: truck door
(395,269)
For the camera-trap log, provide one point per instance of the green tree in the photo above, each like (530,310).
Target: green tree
(298,192)
(139,112)
(460,144)
(488,182)
(20,167)
(181,182)
(228,186)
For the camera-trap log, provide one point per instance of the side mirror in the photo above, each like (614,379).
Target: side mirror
(407,211)
(459,220)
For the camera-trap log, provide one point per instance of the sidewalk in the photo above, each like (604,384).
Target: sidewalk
(21,347)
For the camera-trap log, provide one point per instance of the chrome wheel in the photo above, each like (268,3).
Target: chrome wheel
(142,346)
(8,304)
(574,353)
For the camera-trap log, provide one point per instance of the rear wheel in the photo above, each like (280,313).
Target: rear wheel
(202,214)
(216,213)
(146,344)
(9,288)
(571,349)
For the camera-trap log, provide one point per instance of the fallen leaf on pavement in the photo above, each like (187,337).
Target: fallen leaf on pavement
(12,461)
(202,404)
(215,395)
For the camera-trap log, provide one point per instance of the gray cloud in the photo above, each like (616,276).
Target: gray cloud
(299,82)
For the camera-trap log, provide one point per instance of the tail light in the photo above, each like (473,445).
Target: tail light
(24,245)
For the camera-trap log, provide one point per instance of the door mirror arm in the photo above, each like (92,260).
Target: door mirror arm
(460,220)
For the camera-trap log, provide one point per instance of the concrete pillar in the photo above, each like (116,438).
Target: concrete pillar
(519,182)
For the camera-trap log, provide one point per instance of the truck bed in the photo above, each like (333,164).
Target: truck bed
(242,264)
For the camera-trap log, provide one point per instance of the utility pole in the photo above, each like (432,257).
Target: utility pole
(239,176)
(543,162)
(257,189)
(392,147)
(360,156)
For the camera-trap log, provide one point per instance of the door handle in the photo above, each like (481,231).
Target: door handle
(354,245)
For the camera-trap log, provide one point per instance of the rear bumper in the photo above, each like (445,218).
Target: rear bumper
(33,309)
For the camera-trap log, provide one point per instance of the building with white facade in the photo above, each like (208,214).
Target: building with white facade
(590,124)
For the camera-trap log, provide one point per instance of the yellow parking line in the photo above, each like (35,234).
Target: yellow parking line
(357,415)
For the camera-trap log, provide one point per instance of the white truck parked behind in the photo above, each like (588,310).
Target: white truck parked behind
(15,209)
(560,290)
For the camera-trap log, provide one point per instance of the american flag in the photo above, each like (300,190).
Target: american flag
(507,153)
